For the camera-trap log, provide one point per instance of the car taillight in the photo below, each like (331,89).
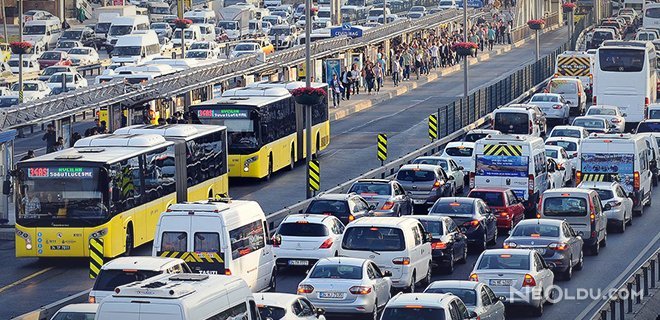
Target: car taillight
(578,177)
(592,217)
(439,245)
(305,288)
(474,277)
(594,100)
(351,217)
(472,180)
(636,182)
(647,101)
(361,290)
(401,261)
(530,184)
(558,246)
(227,272)
(472,223)
(326,244)
(276,241)
(510,245)
(387,205)
(556,107)
(529,281)
(437,184)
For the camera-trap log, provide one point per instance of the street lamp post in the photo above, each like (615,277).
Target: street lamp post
(308,84)
(4,19)
(20,56)
(465,58)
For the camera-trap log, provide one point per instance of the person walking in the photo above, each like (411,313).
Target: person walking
(491,38)
(336,88)
(59,145)
(378,73)
(406,57)
(346,82)
(50,138)
(369,76)
(29,155)
(396,70)
(355,78)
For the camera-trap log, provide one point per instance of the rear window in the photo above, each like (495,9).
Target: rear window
(433,227)
(207,242)
(415,175)
(473,137)
(376,239)
(108,280)
(564,206)
(334,207)
(414,313)
(174,241)
(565,133)
(589,123)
(604,194)
(654,114)
(652,13)
(371,189)
(649,126)
(504,261)
(337,271)
(270,312)
(537,230)
(567,145)
(303,230)
(468,296)
(452,208)
(602,35)
(512,122)
(492,199)
(563,87)
(621,60)
(459,151)
(601,112)
(442,163)
(544,98)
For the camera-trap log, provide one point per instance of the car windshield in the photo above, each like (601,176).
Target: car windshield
(567,145)
(512,122)
(102,27)
(51,56)
(68,315)
(571,133)
(492,199)
(280,31)
(126,51)
(434,227)
(200,45)
(564,206)
(654,114)
(468,296)
(416,313)
(28,86)
(459,151)
(371,189)
(108,280)
(452,208)
(336,271)
(373,239)
(604,194)
(338,208)
(436,162)
(544,98)
(303,229)
(66,44)
(71,35)
(504,261)
(158,26)
(601,112)
(535,230)
(34,30)
(228,25)
(57,78)
(589,123)
(648,127)
(197,54)
(271,312)
(551,153)
(415,175)
(82,51)
(8,101)
(116,30)
(621,60)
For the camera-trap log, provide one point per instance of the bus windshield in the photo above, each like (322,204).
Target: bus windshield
(621,60)
(61,195)
(241,130)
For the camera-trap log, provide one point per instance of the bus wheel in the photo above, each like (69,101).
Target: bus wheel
(129,240)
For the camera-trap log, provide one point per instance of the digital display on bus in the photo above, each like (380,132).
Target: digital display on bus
(61,172)
(223,113)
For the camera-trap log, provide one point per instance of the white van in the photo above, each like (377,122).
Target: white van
(399,245)
(43,34)
(136,48)
(124,270)
(207,31)
(573,92)
(183,296)
(516,162)
(517,120)
(618,157)
(219,237)
(192,34)
(204,16)
(121,26)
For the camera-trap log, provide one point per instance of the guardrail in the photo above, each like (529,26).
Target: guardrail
(47,311)
(632,291)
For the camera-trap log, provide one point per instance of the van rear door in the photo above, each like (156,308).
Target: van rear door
(118,310)
(574,208)
(503,165)
(205,245)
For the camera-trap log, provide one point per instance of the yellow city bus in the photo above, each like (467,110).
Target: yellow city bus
(112,187)
(265,128)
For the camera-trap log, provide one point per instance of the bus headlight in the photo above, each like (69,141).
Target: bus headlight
(99,233)
(26,236)
(248,161)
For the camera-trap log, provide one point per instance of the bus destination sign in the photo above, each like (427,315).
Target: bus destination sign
(61,172)
(223,113)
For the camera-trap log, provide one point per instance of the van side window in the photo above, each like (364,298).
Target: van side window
(597,206)
(207,242)
(174,241)
(643,161)
(417,235)
(237,312)
(247,239)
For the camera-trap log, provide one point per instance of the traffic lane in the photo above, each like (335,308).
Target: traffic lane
(597,274)
(352,149)
(34,141)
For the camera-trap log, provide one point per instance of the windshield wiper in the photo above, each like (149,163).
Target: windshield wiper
(374,251)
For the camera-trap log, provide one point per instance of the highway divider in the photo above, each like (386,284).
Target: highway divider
(47,311)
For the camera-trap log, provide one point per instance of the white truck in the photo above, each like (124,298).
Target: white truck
(118,10)
(235,20)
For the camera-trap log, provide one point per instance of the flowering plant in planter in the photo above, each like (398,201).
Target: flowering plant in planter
(308,96)
(182,23)
(568,7)
(21,47)
(465,48)
(536,24)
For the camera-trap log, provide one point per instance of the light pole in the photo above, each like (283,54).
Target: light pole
(20,56)
(308,84)
(465,58)
(4,20)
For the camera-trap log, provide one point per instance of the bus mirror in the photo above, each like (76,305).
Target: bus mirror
(6,187)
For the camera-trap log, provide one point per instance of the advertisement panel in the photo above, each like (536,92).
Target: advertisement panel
(502,166)
(614,166)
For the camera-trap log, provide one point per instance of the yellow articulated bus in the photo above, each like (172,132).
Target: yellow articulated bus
(113,187)
(265,128)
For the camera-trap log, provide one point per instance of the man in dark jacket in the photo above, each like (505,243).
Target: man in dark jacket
(51,138)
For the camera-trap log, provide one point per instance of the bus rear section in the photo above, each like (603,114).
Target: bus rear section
(625,77)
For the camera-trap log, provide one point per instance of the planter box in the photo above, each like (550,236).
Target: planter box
(21,50)
(536,26)
(182,25)
(308,99)
(465,51)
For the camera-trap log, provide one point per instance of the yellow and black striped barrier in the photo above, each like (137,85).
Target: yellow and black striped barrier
(433,127)
(502,150)
(599,177)
(314,182)
(193,257)
(574,66)
(95,257)
(382,147)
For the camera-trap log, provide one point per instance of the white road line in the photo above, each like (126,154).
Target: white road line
(386,116)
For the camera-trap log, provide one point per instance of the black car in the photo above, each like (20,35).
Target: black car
(473,216)
(346,207)
(449,244)
(85,35)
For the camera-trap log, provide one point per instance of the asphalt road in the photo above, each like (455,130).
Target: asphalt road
(26,284)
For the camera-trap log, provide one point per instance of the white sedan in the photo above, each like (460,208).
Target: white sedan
(521,276)
(461,152)
(83,55)
(553,106)
(73,80)
(32,90)
(82,311)
(612,114)
(449,165)
(286,306)
(571,145)
(563,160)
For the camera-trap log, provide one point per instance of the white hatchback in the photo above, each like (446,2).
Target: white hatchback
(461,152)
(303,239)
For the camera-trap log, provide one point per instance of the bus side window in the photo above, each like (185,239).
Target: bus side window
(126,185)
(159,177)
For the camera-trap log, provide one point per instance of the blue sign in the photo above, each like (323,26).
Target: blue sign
(332,66)
(346,30)
(502,166)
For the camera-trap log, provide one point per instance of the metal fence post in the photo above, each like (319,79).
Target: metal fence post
(638,285)
(630,301)
(613,308)
(646,283)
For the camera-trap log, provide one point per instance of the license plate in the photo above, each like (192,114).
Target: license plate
(331,295)
(59,247)
(500,282)
(298,262)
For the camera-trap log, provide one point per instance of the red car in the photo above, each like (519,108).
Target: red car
(503,201)
(51,58)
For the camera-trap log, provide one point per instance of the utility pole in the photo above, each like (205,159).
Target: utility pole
(308,84)
(20,56)
(4,20)
(465,59)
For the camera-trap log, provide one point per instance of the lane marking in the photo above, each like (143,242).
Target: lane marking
(384,117)
(618,279)
(38,273)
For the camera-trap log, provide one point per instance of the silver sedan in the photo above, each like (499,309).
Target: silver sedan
(347,285)
(612,114)
(477,297)
(388,197)
(553,106)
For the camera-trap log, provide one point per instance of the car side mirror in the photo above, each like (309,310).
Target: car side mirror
(372,207)
(474,315)
(387,273)
(320,311)
(607,207)
(428,237)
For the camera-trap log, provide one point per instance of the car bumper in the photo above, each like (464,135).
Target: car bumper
(386,213)
(283,256)
(359,305)
(525,296)
(615,215)
(441,257)
(561,261)
(555,114)
(588,242)
(504,222)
